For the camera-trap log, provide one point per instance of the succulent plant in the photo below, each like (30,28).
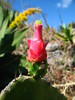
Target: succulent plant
(10,39)
(27,88)
(65,33)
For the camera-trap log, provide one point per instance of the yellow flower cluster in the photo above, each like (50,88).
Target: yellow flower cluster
(23,16)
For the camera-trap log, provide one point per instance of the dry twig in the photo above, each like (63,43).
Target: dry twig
(65,86)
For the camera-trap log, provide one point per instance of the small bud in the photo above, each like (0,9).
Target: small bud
(38,22)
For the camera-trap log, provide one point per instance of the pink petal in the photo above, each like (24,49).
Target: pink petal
(37,47)
(30,55)
(28,42)
(42,57)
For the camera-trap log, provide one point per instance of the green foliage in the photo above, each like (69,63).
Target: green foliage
(65,33)
(10,39)
(72,24)
(24,88)
(1,17)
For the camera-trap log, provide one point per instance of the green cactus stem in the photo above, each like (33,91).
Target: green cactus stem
(36,70)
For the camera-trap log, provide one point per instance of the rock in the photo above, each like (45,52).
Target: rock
(60,58)
(52,47)
(55,56)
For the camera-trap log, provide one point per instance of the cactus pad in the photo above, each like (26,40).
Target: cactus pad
(27,88)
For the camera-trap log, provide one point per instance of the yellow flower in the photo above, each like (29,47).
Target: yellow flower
(33,10)
(37,10)
(25,13)
(20,15)
(17,19)
(23,16)
(29,12)
(12,24)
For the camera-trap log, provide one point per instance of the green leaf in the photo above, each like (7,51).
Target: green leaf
(59,36)
(16,13)
(69,33)
(11,14)
(12,41)
(5,44)
(3,28)
(18,37)
(25,88)
(62,27)
(1,16)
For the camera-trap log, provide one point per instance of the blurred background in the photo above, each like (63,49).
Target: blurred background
(54,12)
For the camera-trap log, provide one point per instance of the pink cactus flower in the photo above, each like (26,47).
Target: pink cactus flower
(36,51)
